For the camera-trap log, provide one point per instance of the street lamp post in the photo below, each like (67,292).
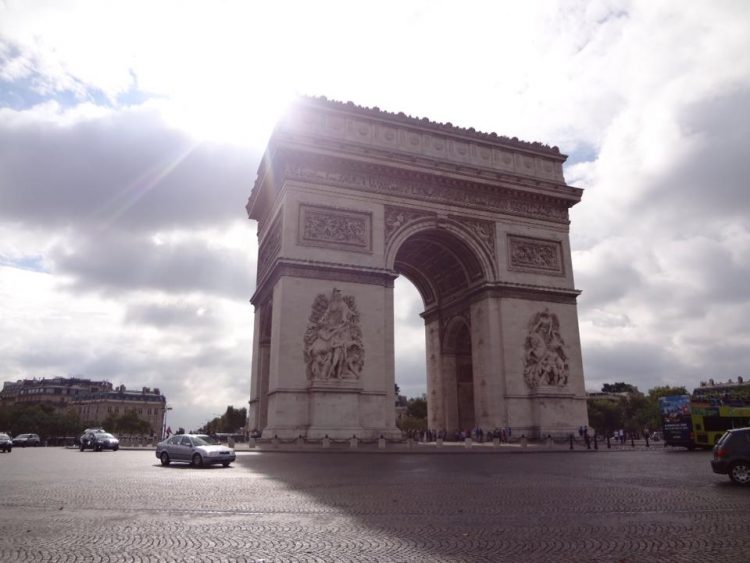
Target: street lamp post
(164,425)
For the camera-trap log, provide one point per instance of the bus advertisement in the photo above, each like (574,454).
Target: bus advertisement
(676,422)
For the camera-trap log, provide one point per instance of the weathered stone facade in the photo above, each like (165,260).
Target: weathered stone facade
(347,199)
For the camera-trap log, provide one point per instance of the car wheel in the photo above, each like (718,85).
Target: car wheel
(225,463)
(197,460)
(164,458)
(739,473)
(114,449)
(98,448)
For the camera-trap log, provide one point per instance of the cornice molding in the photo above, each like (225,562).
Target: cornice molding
(328,271)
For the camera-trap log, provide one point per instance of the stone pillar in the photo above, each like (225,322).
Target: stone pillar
(435,394)
(487,364)
(253,415)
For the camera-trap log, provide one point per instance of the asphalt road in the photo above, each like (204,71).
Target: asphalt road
(656,505)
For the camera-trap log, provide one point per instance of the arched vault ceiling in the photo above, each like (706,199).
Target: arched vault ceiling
(438,264)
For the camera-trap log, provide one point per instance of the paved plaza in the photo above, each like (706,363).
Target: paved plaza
(508,505)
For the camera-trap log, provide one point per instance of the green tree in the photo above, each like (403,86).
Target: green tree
(232,421)
(417,408)
(606,415)
(130,423)
(41,419)
(619,387)
(409,423)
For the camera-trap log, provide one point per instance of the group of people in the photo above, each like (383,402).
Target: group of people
(477,434)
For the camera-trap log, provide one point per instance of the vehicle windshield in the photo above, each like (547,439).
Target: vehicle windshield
(104,435)
(204,440)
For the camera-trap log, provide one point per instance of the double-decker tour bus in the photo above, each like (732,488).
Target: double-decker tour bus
(701,419)
(715,408)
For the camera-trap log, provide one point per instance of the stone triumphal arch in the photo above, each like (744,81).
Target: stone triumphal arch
(348,198)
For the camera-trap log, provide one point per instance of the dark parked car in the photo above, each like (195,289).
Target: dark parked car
(78,440)
(24,440)
(6,444)
(732,455)
(196,449)
(99,441)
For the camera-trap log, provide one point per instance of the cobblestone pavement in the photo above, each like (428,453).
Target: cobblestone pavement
(658,505)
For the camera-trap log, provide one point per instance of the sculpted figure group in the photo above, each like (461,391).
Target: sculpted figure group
(333,340)
(546,362)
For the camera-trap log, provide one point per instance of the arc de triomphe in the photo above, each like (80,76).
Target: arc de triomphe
(348,198)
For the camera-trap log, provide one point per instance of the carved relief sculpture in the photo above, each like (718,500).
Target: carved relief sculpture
(333,340)
(543,256)
(347,230)
(545,359)
(397,217)
(270,247)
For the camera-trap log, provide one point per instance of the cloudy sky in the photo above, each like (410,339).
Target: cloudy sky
(130,134)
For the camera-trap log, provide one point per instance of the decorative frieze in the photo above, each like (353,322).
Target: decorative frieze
(421,187)
(335,228)
(545,359)
(535,255)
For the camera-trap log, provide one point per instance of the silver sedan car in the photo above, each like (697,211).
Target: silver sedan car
(196,449)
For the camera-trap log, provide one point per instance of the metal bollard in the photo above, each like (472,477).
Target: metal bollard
(467,442)
(609,445)
(495,442)
(326,442)
(300,441)
(632,441)
(275,442)
(251,443)
(439,443)
(596,443)
(524,441)
(381,443)
(549,440)
(647,445)
(571,441)
(353,443)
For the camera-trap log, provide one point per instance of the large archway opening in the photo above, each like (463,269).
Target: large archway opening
(443,269)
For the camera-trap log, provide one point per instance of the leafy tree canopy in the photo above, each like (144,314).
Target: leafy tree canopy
(232,421)
(619,387)
(417,408)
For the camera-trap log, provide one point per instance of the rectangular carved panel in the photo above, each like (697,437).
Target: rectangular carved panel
(331,227)
(269,247)
(539,256)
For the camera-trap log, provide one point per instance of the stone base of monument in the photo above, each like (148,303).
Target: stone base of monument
(556,411)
